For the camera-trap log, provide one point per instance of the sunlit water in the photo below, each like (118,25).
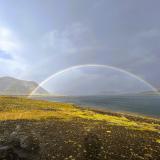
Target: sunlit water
(142,104)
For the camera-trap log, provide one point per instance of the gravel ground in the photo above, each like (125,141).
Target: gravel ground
(81,139)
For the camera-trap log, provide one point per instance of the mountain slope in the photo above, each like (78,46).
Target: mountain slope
(13,86)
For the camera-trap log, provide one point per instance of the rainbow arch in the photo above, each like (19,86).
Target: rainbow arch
(93,65)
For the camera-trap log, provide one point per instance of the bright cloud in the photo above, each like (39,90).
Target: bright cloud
(9,41)
(10,53)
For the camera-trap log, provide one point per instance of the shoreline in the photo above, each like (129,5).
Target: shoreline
(142,110)
(98,109)
(118,112)
(65,130)
(128,115)
(104,110)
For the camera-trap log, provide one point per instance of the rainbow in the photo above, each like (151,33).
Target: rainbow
(93,65)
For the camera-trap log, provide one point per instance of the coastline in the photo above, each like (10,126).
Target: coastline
(104,110)
(64,130)
(143,106)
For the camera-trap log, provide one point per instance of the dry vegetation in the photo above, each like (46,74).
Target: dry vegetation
(69,132)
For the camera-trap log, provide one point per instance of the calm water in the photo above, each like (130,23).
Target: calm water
(148,104)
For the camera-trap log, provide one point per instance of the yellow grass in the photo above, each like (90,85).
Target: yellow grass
(158,140)
(23,108)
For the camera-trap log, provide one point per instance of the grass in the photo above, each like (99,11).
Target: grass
(158,140)
(12,108)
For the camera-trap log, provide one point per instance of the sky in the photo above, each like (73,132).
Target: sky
(40,37)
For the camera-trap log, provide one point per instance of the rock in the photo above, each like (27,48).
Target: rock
(4,150)
(29,143)
(14,139)
(22,146)
(7,153)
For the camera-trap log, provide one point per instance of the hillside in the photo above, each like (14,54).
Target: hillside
(58,131)
(12,86)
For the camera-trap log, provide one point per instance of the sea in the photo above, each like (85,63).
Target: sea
(148,105)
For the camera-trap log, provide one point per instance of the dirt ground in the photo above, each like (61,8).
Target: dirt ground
(85,139)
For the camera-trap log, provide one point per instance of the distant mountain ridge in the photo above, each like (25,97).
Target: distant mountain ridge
(13,86)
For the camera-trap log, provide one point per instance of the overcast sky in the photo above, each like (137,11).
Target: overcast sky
(41,37)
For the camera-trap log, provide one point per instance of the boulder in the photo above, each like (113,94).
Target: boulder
(21,146)
(14,139)
(7,153)
(29,143)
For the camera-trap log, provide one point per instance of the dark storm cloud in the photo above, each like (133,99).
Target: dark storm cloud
(57,35)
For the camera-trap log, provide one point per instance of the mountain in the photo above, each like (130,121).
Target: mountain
(13,86)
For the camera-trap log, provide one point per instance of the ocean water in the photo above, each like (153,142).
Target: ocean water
(141,104)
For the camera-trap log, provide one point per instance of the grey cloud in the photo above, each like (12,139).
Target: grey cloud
(55,35)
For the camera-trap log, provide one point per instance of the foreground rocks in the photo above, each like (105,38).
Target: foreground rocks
(78,139)
(7,153)
(20,147)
